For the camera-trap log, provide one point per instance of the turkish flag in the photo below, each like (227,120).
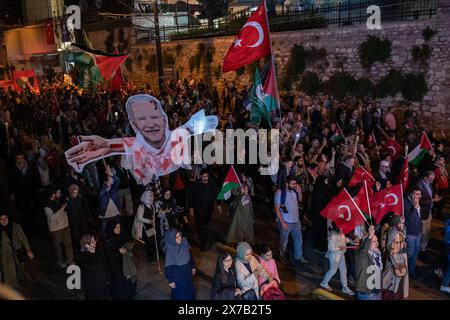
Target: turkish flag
(344,211)
(403,177)
(362,174)
(395,150)
(252,42)
(25,78)
(371,140)
(49,32)
(385,201)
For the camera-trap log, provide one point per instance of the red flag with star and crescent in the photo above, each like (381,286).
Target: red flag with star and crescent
(360,175)
(395,150)
(403,177)
(252,42)
(385,201)
(344,211)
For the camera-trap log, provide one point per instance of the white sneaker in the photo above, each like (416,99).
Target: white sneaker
(348,291)
(445,289)
(326,286)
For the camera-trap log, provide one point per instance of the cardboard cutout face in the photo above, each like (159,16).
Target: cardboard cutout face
(156,150)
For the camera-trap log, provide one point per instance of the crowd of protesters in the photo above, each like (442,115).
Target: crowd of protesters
(93,216)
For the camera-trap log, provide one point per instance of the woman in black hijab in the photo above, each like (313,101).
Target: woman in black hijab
(121,288)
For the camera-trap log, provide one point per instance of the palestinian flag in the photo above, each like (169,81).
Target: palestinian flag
(338,135)
(264,94)
(101,65)
(416,155)
(231,182)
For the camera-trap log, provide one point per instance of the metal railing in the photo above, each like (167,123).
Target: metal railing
(344,13)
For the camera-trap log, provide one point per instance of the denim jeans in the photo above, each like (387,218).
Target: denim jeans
(369,296)
(446,278)
(412,249)
(337,261)
(295,230)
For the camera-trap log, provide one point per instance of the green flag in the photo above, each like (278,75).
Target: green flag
(257,98)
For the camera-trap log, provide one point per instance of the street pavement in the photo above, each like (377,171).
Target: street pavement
(298,282)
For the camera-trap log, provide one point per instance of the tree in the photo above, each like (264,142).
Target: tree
(213,9)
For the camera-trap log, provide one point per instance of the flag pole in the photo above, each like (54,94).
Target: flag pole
(403,207)
(371,177)
(383,132)
(376,145)
(368,203)
(272,62)
(359,210)
(236,175)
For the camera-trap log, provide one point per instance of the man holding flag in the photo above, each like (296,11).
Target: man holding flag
(251,44)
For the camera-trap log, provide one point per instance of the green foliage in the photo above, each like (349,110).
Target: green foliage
(201,48)
(212,9)
(295,66)
(178,49)
(310,83)
(313,54)
(168,59)
(374,49)
(421,53)
(192,63)
(414,87)
(428,33)
(151,67)
(210,54)
(389,85)
(129,64)
(217,72)
(341,84)
(364,88)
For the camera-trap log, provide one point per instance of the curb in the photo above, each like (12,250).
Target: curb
(326,295)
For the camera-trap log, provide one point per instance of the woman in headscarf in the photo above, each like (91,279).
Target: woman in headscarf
(78,212)
(169,209)
(243,219)
(179,266)
(395,275)
(225,283)
(147,224)
(117,249)
(249,271)
(12,240)
(95,274)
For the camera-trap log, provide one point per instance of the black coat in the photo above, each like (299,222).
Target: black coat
(321,196)
(78,211)
(343,173)
(223,288)
(95,275)
(120,288)
(202,197)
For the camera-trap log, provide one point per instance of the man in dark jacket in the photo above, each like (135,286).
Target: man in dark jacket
(202,197)
(23,186)
(321,195)
(368,268)
(425,185)
(344,172)
(413,222)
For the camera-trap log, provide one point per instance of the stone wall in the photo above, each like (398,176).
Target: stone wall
(341,44)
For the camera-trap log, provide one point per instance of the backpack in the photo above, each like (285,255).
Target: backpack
(273,293)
